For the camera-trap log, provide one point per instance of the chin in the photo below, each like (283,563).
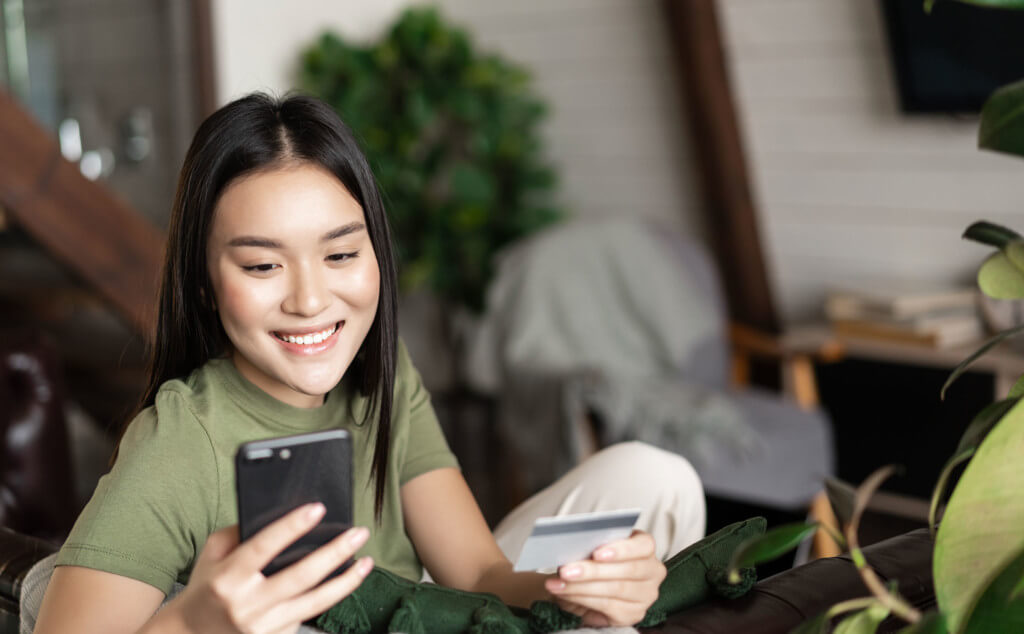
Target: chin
(316,386)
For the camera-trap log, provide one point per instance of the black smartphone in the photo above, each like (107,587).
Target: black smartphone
(278,475)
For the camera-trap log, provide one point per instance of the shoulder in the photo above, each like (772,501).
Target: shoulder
(178,418)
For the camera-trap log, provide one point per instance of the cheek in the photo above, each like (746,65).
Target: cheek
(241,304)
(362,289)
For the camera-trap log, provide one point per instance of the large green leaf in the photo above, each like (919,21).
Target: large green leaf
(990,343)
(930,623)
(1000,608)
(990,233)
(983,423)
(864,622)
(774,543)
(981,529)
(999,278)
(940,487)
(1017,390)
(1014,250)
(1002,118)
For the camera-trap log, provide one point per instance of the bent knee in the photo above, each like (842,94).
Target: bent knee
(649,464)
(644,457)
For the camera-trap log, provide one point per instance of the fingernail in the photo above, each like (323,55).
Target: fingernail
(554,585)
(365,565)
(315,511)
(358,537)
(604,554)
(571,572)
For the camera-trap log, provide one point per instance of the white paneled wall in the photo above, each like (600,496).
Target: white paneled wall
(615,131)
(848,188)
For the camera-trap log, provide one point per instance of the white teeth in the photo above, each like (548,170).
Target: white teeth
(306,340)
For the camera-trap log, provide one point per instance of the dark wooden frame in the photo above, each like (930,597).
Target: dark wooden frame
(203,60)
(99,237)
(718,149)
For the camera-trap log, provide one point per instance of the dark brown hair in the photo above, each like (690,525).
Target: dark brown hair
(257,133)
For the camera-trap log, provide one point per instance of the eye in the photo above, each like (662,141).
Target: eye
(260,268)
(342,257)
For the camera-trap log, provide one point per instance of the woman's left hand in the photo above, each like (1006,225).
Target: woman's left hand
(615,586)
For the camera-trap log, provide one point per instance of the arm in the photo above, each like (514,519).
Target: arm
(226,593)
(80,600)
(614,587)
(455,544)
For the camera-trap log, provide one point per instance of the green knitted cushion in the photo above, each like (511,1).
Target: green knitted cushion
(386,602)
(694,572)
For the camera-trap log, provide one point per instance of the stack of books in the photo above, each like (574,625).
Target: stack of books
(939,318)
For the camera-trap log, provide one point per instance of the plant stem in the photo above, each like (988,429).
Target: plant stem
(896,605)
(849,606)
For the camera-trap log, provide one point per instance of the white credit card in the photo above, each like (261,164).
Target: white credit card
(556,541)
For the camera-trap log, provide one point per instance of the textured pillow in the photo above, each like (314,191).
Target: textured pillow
(697,572)
(386,602)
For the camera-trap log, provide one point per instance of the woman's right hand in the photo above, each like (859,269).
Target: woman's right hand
(228,593)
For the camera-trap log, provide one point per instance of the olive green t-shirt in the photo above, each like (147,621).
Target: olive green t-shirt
(174,480)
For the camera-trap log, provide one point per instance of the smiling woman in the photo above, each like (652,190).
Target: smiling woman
(277,315)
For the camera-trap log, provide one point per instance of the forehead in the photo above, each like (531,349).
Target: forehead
(286,200)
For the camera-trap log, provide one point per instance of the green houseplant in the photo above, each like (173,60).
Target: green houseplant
(979,545)
(453,138)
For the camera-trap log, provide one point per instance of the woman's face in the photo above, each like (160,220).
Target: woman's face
(295,279)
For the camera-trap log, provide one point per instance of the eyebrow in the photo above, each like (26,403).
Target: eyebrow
(268,243)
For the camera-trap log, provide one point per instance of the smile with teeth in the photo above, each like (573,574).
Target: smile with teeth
(308,339)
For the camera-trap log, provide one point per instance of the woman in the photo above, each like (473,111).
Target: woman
(277,314)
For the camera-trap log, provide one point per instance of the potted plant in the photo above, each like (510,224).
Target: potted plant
(453,137)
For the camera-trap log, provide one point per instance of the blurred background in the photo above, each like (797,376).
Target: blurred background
(796,172)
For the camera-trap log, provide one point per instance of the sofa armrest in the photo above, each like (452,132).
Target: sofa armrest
(18,553)
(781,602)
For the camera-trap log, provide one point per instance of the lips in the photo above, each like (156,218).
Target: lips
(309,337)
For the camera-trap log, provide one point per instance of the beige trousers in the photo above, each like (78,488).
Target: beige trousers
(627,475)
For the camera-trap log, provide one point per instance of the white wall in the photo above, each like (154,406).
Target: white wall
(615,131)
(848,188)
(257,42)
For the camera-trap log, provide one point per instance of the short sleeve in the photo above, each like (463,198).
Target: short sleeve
(425,446)
(151,514)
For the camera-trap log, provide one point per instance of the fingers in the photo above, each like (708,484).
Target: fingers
(261,548)
(640,545)
(616,586)
(603,611)
(314,567)
(638,570)
(322,598)
(319,600)
(630,591)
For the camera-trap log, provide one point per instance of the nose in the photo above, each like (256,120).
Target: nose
(308,295)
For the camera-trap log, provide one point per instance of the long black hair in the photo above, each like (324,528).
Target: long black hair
(259,133)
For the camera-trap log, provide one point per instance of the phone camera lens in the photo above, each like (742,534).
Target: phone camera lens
(285,454)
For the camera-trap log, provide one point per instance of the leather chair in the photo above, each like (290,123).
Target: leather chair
(36,488)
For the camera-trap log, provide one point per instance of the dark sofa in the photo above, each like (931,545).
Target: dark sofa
(775,605)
